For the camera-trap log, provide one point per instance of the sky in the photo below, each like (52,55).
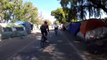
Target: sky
(45,7)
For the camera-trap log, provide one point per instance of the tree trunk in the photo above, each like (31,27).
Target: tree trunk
(69,15)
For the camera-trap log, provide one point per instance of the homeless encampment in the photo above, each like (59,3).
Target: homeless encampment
(9,30)
(74,27)
(28,26)
(94,33)
(91,24)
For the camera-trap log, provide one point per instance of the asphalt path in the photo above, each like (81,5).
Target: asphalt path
(29,48)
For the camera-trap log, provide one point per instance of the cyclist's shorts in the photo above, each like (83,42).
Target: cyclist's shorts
(44,32)
(56,28)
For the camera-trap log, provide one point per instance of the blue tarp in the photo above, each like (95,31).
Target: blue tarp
(27,25)
(74,27)
(19,22)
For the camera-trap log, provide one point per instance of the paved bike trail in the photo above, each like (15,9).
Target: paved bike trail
(59,48)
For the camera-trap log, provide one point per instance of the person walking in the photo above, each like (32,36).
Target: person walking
(55,28)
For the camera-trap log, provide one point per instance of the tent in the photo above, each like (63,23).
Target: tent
(74,27)
(9,30)
(19,22)
(28,26)
(91,24)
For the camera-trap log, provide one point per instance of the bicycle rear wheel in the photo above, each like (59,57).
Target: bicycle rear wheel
(56,32)
(43,41)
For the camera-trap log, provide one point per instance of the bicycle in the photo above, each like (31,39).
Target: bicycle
(43,40)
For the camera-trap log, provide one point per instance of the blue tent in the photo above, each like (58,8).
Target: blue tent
(74,27)
(27,25)
(19,22)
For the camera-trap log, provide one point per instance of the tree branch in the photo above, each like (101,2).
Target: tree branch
(98,5)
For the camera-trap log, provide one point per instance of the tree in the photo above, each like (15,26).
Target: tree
(57,22)
(99,4)
(79,9)
(30,12)
(17,10)
(5,9)
(70,5)
(39,21)
(59,14)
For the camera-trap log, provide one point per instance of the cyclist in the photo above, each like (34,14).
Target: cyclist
(44,30)
(55,28)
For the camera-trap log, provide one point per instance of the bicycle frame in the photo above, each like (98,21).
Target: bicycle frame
(43,40)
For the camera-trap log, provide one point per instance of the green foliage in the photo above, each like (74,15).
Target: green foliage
(57,22)
(17,10)
(69,7)
(79,9)
(38,21)
(59,14)
(10,25)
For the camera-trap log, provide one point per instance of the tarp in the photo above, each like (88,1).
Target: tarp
(28,26)
(19,22)
(97,33)
(74,27)
(9,30)
(91,24)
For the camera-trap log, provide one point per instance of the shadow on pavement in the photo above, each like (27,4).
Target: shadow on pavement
(58,49)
